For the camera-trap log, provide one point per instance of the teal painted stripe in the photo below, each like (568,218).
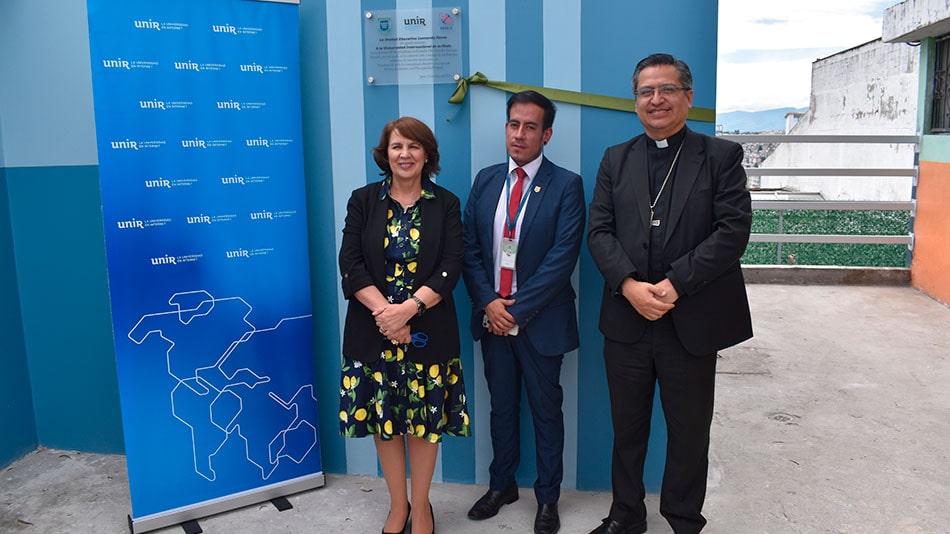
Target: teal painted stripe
(935,148)
(606,69)
(524,33)
(61,266)
(322,225)
(3,163)
(524,27)
(458,454)
(16,399)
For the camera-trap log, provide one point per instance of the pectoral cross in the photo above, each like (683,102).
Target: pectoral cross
(653,222)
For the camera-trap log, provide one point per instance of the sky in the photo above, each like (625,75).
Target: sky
(766,47)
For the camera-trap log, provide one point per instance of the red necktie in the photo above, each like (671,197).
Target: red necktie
(514,200)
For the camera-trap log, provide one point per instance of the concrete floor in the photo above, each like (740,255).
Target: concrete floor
(835,418)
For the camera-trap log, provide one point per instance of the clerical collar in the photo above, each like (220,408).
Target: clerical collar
(675,139)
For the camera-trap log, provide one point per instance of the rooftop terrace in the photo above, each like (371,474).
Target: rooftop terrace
(833,418)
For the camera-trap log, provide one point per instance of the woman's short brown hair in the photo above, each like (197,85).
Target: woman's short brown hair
(416,130)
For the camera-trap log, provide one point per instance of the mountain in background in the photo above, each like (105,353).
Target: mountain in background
(754,121)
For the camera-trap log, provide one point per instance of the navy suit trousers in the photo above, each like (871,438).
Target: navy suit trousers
(509,361)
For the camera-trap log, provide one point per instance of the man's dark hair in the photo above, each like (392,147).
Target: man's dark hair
(686,77)
(534,97)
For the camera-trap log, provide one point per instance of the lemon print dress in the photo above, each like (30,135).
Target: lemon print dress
(394,396)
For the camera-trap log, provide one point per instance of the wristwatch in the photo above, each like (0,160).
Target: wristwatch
(420,306)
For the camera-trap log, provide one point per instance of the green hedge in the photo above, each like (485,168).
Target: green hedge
(829,222)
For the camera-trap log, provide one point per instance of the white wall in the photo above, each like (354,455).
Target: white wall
(869,89)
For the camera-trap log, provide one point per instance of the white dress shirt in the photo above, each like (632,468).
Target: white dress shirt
(501,214)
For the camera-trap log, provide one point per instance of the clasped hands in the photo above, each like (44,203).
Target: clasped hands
(500,322)
(393,319)
(652,301)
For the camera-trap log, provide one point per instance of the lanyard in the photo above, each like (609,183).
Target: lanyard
(509,224)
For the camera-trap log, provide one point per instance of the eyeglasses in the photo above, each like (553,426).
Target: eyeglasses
(664,90)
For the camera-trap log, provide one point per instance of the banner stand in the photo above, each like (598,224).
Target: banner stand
(200,153)
(201,510)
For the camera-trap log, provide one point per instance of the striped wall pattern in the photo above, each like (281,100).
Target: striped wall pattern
(567,44)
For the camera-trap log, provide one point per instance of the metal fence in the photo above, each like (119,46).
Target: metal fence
(787,205)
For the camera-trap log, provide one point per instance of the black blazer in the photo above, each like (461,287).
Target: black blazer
(708,229)
(362,264)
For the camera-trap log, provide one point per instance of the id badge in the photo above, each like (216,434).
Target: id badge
(509,252)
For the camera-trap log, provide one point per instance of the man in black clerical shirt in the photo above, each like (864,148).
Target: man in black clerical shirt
(669,220)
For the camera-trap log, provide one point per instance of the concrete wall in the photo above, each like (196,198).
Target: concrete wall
(920,22)
(916,20)
(931,265)
(869,89)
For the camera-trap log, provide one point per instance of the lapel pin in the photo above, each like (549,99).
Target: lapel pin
(537,189)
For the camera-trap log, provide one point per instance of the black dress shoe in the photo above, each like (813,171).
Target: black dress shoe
(610,526)
(547,520)
(489,504)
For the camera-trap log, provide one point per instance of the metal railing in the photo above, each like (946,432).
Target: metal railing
(781,206)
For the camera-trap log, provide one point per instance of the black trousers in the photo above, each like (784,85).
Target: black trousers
(687,391)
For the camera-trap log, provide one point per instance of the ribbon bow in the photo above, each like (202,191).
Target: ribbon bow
(462,88)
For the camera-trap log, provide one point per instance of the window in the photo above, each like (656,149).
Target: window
(940,122)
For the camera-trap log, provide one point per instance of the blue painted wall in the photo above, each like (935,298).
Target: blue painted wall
(16,404)
(60,343)
(54,227)
(61,268)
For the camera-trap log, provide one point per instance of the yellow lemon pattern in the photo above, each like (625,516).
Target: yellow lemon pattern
(401,246)
(393,397)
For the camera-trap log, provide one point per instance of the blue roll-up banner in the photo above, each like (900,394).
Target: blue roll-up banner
(198,122)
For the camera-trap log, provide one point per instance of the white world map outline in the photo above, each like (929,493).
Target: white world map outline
(278,447)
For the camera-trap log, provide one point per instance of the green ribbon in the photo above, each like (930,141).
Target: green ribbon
(570,97)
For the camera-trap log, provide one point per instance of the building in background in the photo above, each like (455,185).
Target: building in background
(865,90)
(925,24)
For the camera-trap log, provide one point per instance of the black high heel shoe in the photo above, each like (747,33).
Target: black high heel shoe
(404,526)
(432,515)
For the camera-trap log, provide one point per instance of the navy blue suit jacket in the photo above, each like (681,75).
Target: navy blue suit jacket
(548,246)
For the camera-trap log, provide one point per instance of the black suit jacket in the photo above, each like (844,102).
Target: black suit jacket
(362,263)
(708,226)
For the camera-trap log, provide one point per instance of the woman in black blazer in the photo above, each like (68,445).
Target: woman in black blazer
(400,260)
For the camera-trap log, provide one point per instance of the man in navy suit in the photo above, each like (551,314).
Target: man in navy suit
(669,220)
(522,228)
